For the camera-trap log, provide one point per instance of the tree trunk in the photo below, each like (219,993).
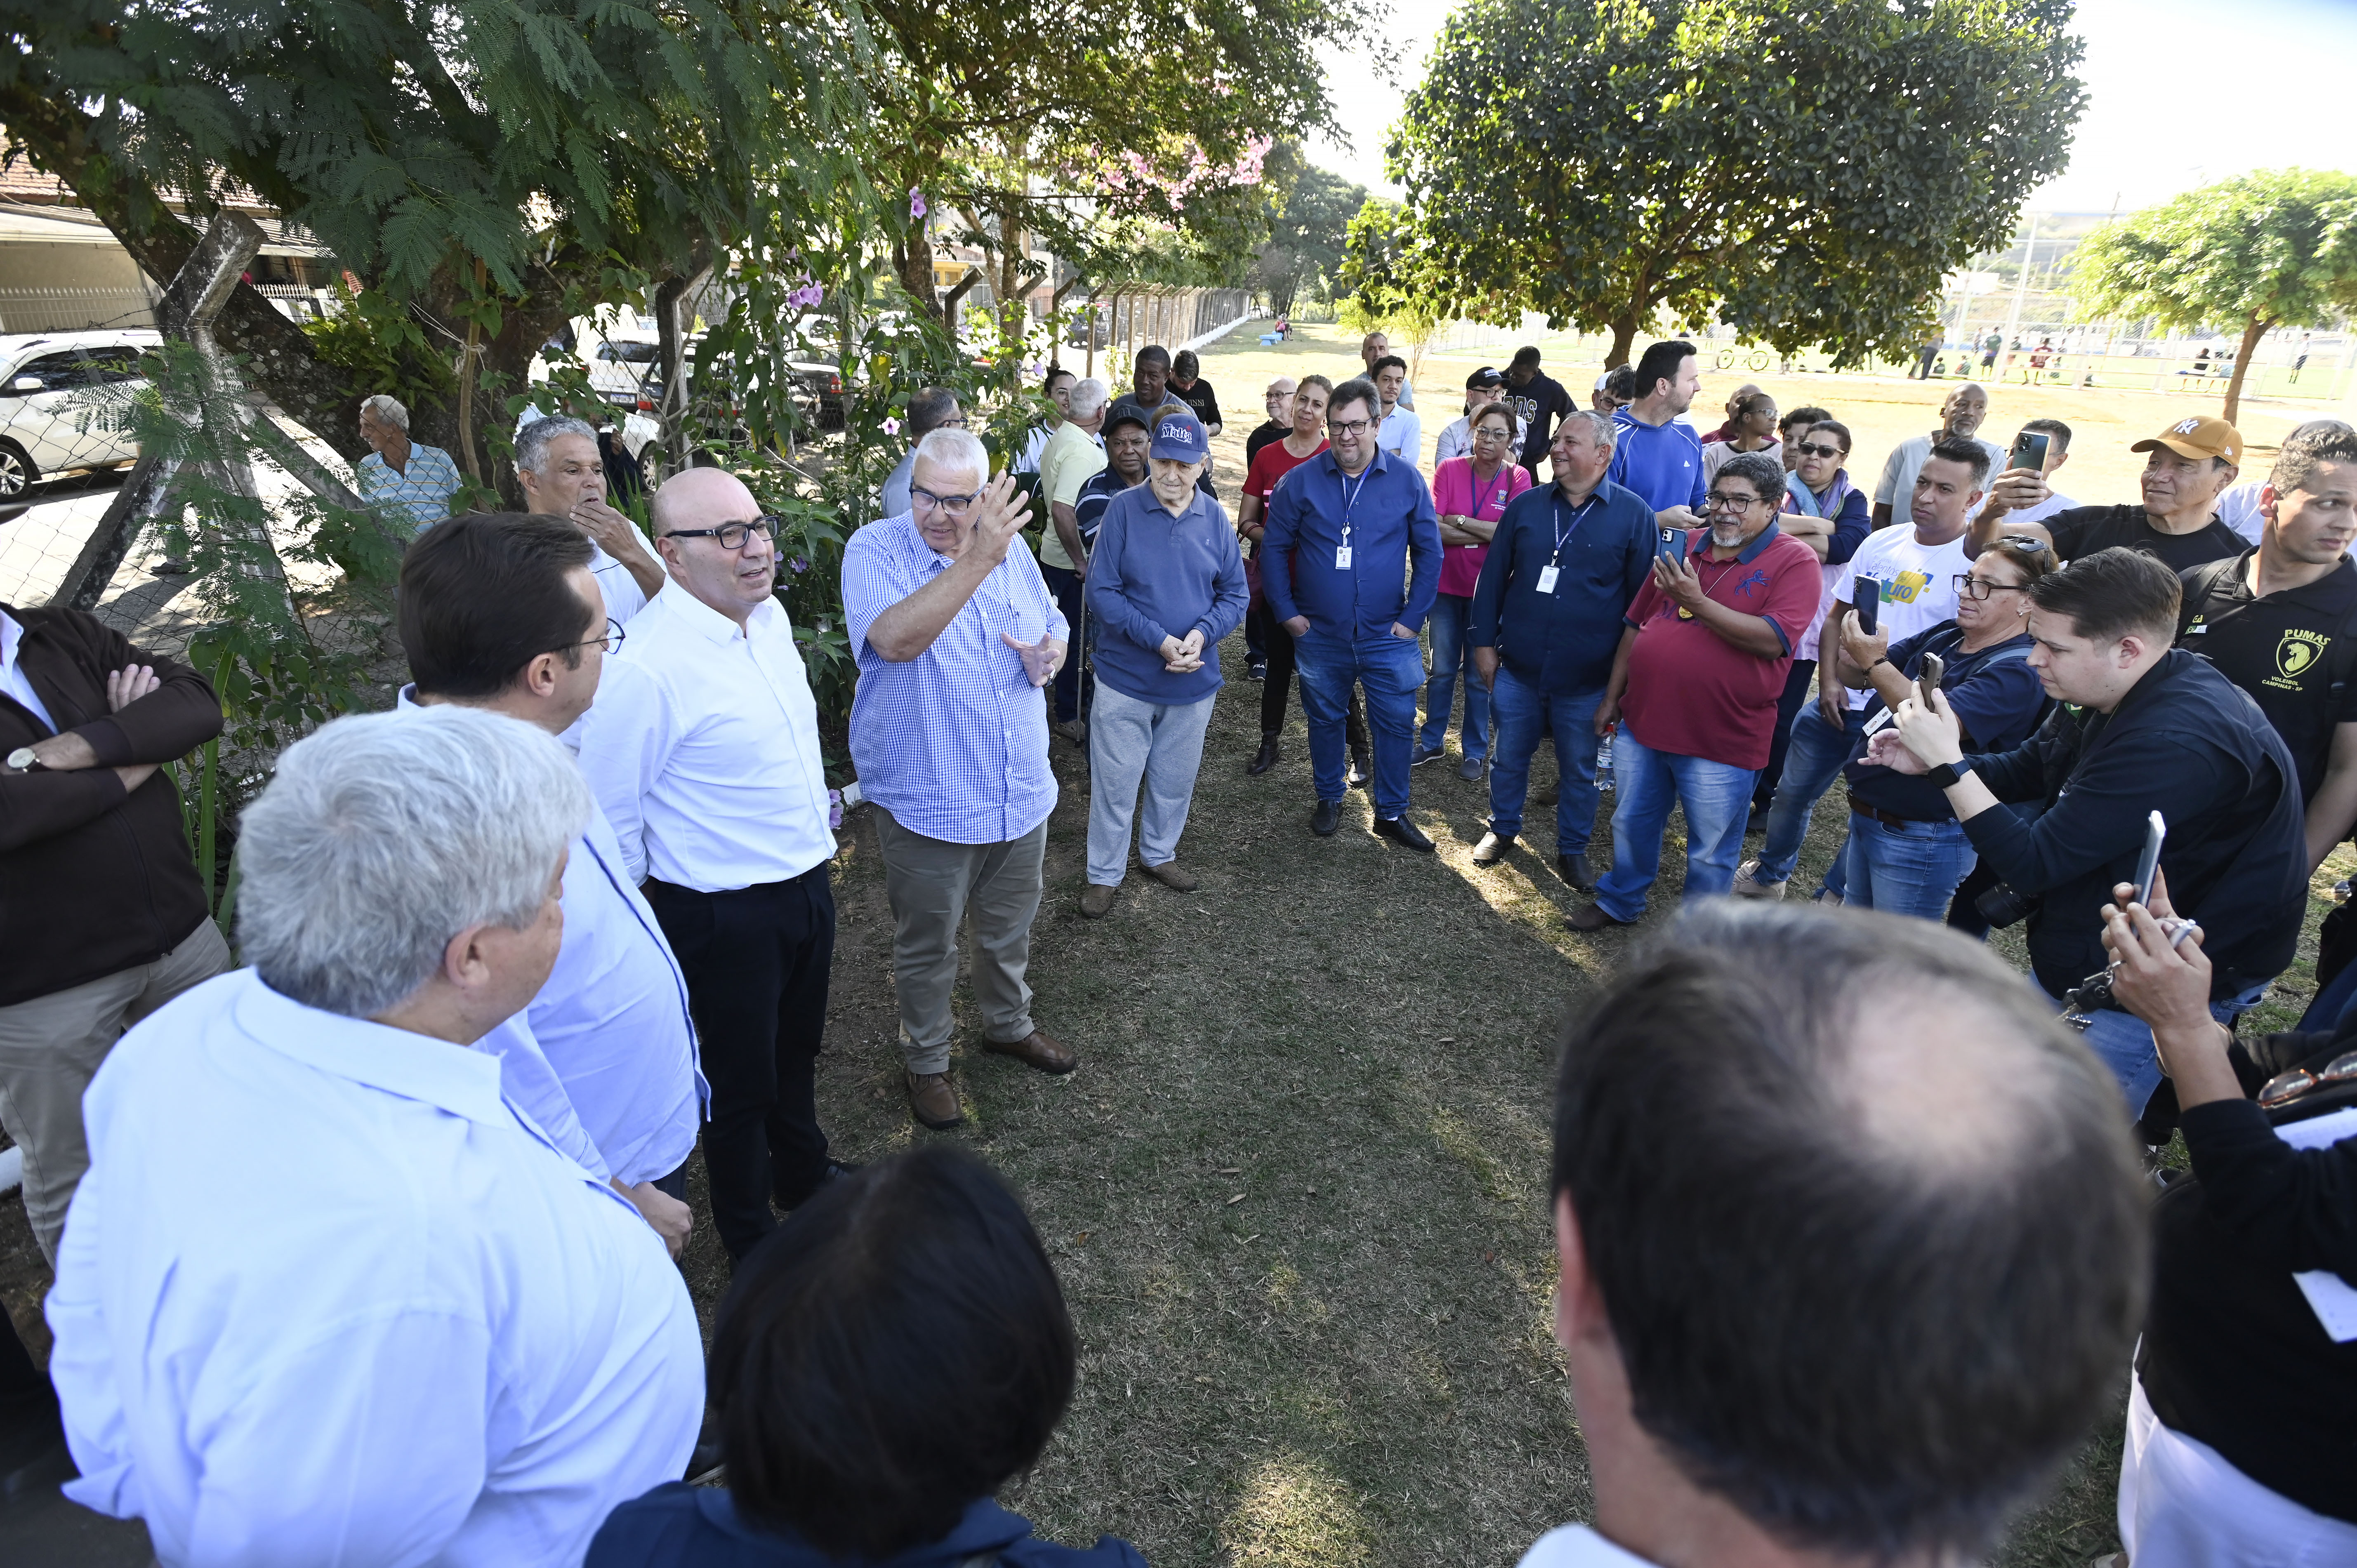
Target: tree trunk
(671,352)
(2254,329)
(1624,332)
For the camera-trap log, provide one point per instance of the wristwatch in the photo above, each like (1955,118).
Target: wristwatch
(1945,774)
(24,759)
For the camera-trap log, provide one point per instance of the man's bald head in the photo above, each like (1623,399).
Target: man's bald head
(701,498)
(1865,1220)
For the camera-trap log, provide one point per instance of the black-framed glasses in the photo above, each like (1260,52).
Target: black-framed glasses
(1351,426)
(611,642)
(1722,502)
(1971,587)
(731,535)
(2287,1086)
(957,506)
(1814,450)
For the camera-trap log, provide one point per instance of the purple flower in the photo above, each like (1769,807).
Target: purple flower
(799,564)
(916,202)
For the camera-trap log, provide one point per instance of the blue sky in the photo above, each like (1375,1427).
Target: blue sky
(2183,93)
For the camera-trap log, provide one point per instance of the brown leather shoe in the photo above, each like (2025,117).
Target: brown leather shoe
(1592,918)
(1096,899)
(1035,1050)
(932,1099)
(1173,875)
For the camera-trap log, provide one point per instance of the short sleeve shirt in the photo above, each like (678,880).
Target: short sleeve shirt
(1272,464)
(2287,651)
(1693,693)
(1453,494)
(2083,530)
(1070,457)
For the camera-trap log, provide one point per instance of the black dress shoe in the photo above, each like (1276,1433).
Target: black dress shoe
(1403,833)
(1361,770)
(1265,757)
(1592,918)
(1492,848)
(836,1171)
(1325,819)
(1573,869)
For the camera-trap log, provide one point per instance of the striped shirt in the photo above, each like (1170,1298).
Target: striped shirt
(954,743)
(423,492)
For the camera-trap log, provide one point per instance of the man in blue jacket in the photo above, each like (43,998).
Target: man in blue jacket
(1345,530)
(1545,620)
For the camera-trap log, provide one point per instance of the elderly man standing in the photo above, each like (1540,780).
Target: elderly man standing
(564,474)
(931,409)
(390,1323)
(405,477)
(1961,415)
(954,633)
(707,760)
(1352,562)
(1075,454)
(1168,581)
(1278,399)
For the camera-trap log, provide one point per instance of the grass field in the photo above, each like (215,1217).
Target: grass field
(1297,1189)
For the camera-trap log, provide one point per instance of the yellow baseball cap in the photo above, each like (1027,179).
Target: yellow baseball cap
(2198,436)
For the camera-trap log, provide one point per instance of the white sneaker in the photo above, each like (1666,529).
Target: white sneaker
(1747,887)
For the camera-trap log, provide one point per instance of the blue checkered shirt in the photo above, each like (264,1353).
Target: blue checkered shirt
(423,492)
(954,743)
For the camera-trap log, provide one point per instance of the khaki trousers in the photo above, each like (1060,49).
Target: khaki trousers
(51,1048)
(935,886)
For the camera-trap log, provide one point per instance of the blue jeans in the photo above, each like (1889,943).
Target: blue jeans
(1523,710)
(2124,1041)
(1448,657)
(1391,670)
(1064,587)
(1717,799)
(1911,870)
(1811,763)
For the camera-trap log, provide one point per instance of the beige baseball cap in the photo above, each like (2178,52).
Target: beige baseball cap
(2198,436)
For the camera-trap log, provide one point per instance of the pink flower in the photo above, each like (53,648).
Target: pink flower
(916,202)
(891,426)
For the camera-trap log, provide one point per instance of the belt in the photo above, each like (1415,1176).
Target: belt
(1888,819)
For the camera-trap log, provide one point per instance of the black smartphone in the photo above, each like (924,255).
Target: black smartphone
(2029,450)
(1935,669)
(1672,547)
(1865,597)
(2149,863)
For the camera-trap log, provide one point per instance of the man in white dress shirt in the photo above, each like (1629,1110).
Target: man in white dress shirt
(706,757)
(562,475)
(498,610)
(326,1294)
(1853,1240)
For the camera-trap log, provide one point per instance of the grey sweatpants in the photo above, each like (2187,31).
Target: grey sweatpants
(1129,740)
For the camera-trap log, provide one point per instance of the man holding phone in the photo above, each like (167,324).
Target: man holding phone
(2149,728)
(2186,467)
(2023,490)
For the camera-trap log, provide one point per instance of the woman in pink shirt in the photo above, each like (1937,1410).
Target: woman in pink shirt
(1470,495)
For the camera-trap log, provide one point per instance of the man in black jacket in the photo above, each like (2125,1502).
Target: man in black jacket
(2145,727)
(102,917)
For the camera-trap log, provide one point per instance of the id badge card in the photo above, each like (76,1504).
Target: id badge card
(1341,558)
(1547,575)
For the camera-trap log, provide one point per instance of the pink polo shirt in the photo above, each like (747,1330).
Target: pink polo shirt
(1452,496)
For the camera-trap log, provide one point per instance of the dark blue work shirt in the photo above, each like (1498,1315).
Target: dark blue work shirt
(679,1525)
(1391,525)
(1563,642)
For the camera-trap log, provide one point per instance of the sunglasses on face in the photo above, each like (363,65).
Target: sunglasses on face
(1817,449)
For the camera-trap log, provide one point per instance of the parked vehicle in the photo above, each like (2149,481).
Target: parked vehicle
(53,415)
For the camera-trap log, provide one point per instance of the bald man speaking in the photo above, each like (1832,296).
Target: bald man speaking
(702,748)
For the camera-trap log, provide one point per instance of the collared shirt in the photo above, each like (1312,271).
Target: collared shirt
(1154,576)
(1456,440)
(709,768)
(1562,642)
(624,598)
(1458,492)
(896,484)
(1578,1546)
(1392,528)
(1071,457)
(2293,651)
(954,743)
(389,1325)
(1402,434)
(1692,693)
(13,682)
(421,492)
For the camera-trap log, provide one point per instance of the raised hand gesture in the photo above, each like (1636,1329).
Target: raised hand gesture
(1043,659)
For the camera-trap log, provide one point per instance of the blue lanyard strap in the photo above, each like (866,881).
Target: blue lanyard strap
(1563,531)
(1350,499)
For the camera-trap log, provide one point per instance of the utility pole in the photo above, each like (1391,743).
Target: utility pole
(2021,290)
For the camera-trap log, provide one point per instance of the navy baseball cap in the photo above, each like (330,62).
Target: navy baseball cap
(1178,437)
(1487,376)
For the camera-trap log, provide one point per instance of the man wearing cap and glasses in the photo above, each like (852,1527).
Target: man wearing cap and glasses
(2188,466)
(1482,388)
(704,756)
(955,633)
(1166,583)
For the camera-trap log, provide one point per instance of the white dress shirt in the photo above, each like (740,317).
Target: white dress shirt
(702,748)
(624,598)
(1401,434)
(324,1297)
(1578,1546)
(13,679)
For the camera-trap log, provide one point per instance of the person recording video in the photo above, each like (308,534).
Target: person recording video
(2148,727)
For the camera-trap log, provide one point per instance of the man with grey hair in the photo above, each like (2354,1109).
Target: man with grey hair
(706,759)
(931,409)
(392,1323)
(562,475)
(405,479)
(954,633)
(1075,454)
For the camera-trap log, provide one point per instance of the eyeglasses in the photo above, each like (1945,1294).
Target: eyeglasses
(957,506)
(1352,426)
(1733,503)
(611,642)
(1813,449)
(1491,433)
(958,422)
(732,535)
(2287,1086)
(1971,587)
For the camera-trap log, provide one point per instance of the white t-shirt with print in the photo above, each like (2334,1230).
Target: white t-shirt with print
(1919,583)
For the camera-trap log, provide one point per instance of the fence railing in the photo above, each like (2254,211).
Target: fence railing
(51,309)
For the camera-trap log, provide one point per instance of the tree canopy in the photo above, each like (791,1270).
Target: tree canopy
(2278,248)
(1308,216)
(1806,170)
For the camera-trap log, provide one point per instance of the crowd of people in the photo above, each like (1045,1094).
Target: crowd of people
(362,1249)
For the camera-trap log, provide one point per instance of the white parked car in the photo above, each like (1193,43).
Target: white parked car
(53,415)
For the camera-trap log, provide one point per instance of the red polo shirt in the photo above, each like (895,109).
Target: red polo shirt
(1693,693)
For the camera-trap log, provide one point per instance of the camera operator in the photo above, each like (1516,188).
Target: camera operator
(2238,1424)
(2155,729)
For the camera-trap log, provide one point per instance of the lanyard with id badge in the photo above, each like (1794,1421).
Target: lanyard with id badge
(1350,504)
(1562,533)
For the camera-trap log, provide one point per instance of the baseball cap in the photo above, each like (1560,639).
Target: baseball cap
(1178,437)
(1487,376)
(2198,436)
(1127,413)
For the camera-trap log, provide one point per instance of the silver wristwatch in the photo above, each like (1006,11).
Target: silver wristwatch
(24,760)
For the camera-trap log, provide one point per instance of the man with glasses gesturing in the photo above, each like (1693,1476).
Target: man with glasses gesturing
(703,749)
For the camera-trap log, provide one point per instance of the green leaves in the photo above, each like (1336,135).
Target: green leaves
(2278,247)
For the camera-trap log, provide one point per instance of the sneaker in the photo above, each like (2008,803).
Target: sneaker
(1747,885)
(1096,900)
(1469,770)
(1256,671)
(1424,754)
